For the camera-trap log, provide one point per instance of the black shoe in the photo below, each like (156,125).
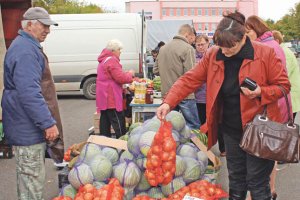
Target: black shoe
(274,196)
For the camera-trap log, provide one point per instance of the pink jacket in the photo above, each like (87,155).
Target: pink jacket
(110,78)
(267,39)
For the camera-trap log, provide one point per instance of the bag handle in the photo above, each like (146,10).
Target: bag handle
(290,119)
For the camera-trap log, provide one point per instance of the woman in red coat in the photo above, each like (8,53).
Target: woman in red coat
(229,107)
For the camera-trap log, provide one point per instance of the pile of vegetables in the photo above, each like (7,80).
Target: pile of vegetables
(200,189)
(172,159)
(112,191)
(157,83)
(161,158)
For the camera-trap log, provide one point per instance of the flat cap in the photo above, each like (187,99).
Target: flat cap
(40,14)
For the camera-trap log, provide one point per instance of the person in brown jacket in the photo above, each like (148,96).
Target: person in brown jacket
(175,59)
(229,106)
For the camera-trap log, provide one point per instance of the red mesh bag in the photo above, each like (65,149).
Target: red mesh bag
(161,158)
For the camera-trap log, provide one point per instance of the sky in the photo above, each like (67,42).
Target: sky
(267,9)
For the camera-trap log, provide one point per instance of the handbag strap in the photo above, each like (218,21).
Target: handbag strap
(290,119)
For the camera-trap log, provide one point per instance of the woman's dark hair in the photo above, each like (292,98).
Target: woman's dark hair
(230,30)
(257,25)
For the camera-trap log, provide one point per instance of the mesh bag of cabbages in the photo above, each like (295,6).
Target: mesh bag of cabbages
(96,163)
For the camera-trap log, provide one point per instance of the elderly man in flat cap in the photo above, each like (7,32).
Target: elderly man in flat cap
(31,118)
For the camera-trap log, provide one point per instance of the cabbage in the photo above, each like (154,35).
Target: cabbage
(185,135)
(152,125)
(124,137)
(126,155)
(156,193)
(101,168)
(202,158)
(188,150)
(88,152)
(141,162)
(146,141)
(80,175)
(132,144)
(133,126)
(128,174)
(143,184)
(68,191)
(175,135)
(177,120)
(98,185)
(136,130)
(173,186)
(129,194)
(180,166)
(193,171)
(111,153)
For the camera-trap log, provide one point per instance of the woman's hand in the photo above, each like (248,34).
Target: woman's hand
(162,111)
(251,94)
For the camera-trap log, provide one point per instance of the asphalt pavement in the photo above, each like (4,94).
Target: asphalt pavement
(77,118)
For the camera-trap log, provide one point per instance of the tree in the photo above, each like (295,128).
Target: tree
(288,25)
(67,6)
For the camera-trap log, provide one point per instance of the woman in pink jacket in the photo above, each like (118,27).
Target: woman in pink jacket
(109,89)
(257,30)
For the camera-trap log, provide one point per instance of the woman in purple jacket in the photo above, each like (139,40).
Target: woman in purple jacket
(109,89)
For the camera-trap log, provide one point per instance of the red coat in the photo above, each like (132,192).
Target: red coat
(266,69)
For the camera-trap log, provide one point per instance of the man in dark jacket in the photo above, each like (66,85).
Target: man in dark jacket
(31,118)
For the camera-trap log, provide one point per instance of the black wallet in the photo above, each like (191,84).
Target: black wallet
(249,83)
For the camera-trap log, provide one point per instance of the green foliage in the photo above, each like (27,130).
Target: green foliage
(67,6)
(288,25)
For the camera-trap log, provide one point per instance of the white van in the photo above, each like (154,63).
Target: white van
(74,45)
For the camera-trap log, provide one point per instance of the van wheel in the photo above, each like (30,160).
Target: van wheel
(89,88)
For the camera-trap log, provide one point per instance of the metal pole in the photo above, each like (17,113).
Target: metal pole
(2,54)
(142,45)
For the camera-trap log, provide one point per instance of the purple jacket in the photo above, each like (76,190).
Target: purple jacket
(110,78)
(200,94)
(268,39)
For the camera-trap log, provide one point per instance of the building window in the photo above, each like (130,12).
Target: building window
(213,26)
(199,26)
(171,12)
(206,11)
(213,12)
(220,11)
(164,12)
(192,11)
(178,13)
(185,11)
(199,11)
(206,27)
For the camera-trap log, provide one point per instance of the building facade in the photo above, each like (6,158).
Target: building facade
(205,14)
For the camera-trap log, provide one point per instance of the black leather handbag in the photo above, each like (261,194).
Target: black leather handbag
(272,140)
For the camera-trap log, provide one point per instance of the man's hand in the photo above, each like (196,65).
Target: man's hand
(251,94)
(51,133)
(162,111)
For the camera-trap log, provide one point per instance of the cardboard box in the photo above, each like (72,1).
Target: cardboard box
(212,171)
(110,142)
